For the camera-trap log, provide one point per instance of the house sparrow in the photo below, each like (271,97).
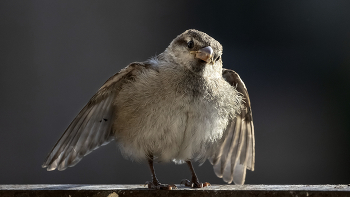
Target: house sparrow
(179,106)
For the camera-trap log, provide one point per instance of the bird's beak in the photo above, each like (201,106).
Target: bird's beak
(204,54)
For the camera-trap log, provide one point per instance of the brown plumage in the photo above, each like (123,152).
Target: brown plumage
(178,106)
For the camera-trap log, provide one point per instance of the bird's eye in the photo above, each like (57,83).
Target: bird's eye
(218,58)
(190,44)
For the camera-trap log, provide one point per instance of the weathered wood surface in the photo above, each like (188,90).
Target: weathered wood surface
(140,190)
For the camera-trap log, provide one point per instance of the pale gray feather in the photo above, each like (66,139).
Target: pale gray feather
(237,151)
(92,127)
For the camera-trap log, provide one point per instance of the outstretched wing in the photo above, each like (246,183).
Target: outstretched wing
(237,151)
(92,127)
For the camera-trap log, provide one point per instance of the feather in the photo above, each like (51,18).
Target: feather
(236,153)
(92,127)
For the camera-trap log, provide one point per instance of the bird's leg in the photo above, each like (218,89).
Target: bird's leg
(155,184)
(194,181)
(154,178)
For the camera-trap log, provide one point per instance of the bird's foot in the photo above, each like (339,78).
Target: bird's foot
(194,184)
(159,186)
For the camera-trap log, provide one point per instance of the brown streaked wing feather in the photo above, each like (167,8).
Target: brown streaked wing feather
(237,152)
(92,127)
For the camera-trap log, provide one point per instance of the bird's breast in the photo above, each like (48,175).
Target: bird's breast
(170,119)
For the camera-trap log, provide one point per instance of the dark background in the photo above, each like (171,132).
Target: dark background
(294,57)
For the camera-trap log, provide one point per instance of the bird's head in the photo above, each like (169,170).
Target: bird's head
(197,52)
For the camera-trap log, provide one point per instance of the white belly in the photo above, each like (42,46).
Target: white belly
(155,119)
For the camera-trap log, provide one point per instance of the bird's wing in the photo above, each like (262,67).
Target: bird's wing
(92,127)
(237,151)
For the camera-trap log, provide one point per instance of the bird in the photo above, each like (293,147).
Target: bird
(179,106)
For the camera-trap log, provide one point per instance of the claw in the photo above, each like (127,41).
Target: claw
(172,186)
(194,184)
(186,183)
(206,184)
(151,185)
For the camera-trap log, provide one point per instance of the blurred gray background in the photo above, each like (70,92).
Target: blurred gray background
(294,57)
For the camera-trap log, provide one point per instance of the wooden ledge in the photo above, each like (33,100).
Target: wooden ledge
(71,190)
